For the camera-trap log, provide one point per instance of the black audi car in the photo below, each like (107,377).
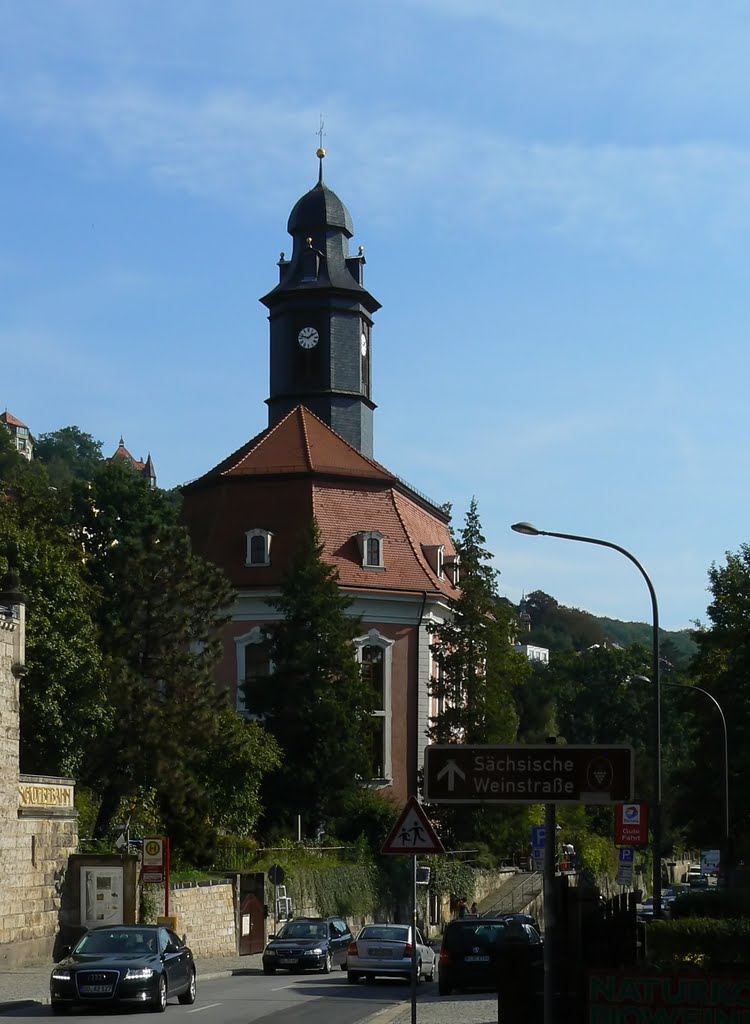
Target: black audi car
(124,965)
(308,944)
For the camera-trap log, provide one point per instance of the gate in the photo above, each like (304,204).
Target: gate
(252,913)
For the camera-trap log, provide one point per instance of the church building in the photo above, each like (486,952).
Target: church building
(390,545)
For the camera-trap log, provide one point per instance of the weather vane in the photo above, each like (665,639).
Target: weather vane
(320,133)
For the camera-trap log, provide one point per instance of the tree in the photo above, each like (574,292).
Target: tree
(68,454)
(61,695)
(315,703)
(159,616)
(478,673)
(478,667)
(722,666)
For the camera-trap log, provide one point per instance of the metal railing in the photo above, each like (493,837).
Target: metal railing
(514,899)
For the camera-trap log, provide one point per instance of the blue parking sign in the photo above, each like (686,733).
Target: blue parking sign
(627,855)
(538,832)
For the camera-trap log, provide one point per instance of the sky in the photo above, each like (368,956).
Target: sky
(554,200)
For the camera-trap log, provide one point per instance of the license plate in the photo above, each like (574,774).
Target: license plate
(477,959)
(383,954)
(97,990)
(286,960)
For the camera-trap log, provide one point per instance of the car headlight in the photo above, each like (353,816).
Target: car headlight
(138,973)
(313,952)
(61,975)
(270,952)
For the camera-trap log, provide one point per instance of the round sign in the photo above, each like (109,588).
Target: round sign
(276,874)
(153,849)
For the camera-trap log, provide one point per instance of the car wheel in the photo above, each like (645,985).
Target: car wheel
(444,989)
(187,998)
(352,977)
(419,972)
(328,963)
(431,975)
(60,1007)
(369,978)
(159,1005)
(269,970)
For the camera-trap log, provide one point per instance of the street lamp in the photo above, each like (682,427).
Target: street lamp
(531,531)
(699,689)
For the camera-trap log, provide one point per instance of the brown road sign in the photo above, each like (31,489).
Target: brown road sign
(519,773)
(413,833)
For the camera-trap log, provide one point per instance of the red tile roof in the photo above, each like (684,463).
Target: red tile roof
(10,420)
(300,443)
(123,453)
(283,477)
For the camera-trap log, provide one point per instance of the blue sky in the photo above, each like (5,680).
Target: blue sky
(554,200)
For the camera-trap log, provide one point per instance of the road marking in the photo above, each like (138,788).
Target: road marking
(209,1006)
(282,987)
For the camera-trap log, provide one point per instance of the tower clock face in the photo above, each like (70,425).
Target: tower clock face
(308,337)
(363,343)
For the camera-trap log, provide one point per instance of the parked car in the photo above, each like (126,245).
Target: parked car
(308,944)
(386,949)
(136,965)
(471,949)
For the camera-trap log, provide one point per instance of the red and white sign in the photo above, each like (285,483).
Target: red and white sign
(412,834)
(631,825)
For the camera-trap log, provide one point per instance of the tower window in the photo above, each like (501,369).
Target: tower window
(258,547)
(371,549)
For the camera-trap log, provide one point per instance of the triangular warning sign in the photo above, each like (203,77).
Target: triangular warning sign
(412,834)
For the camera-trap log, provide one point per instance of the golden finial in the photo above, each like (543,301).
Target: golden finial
(320,153)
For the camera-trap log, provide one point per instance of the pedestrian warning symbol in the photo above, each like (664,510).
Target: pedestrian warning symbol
(412,834)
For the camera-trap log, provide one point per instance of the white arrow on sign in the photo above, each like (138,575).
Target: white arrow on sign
(451,769)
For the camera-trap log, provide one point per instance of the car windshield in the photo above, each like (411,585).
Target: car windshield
(303,930)
(472,934)
(118,941)
(385,934)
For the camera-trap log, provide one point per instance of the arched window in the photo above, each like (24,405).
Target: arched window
(258,547)
(374,652)
(371,549)
(253,663)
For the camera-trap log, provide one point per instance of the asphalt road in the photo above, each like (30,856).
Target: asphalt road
(276,999)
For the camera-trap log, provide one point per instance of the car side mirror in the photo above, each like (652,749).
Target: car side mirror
(64,951)
(184,939)
(272,936)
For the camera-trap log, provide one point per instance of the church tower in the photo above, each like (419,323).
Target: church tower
(320,317)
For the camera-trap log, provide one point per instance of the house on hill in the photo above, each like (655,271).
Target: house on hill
(19,433)
(390,544)
(146,469)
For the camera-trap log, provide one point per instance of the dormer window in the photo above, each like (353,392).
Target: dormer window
(452,566)
(435,555)
(258,547)
(371,549)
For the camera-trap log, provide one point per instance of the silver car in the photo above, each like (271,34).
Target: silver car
(386,950)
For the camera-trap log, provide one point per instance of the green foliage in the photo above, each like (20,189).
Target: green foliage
(722,667)
(232,765)
(699,941)
(317,704)
(63,710)
(344,889)
(365,816)
(478,675)
(68,454)
(450,876)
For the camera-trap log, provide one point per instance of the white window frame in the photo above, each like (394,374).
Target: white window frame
(376,639)
(256,635)
(267,536)
(363,539)
(452,568)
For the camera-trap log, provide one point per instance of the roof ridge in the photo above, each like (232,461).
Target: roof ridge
(308,451)
(418,553)
(372,462)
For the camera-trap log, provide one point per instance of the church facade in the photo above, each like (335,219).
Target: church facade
(390,545)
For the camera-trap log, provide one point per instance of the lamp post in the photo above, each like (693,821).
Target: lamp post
(532,531)
(714,701)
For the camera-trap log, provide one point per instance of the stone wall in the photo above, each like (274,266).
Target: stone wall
(205,913)
(36,835)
